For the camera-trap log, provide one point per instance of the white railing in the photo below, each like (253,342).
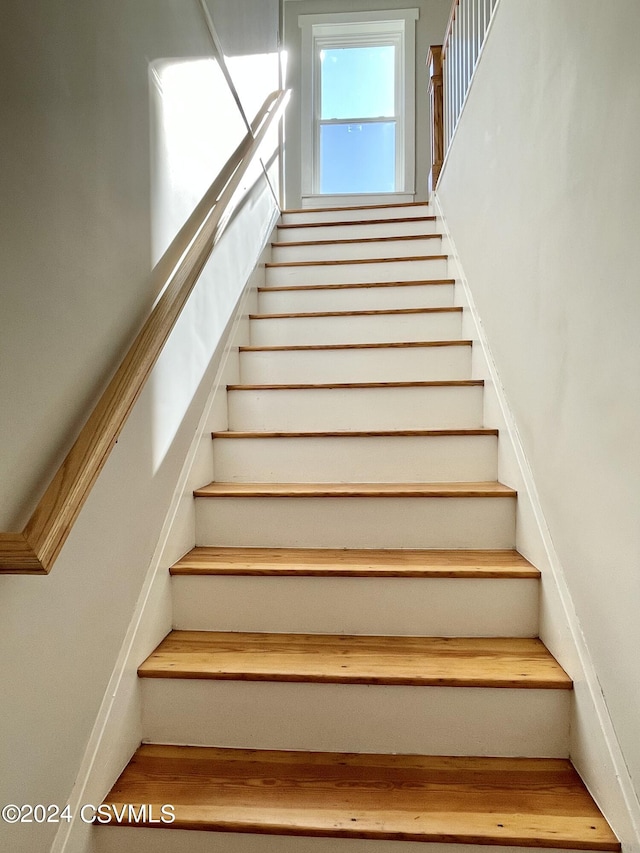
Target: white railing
(464,37)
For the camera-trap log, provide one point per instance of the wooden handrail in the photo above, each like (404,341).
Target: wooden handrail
(34,550)
(447,32)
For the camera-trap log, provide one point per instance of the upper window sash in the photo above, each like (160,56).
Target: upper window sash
(359,29)
(324,44)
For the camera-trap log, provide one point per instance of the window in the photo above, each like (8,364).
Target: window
(358,103)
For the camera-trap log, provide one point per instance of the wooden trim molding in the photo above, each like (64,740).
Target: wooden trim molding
(34,550)
(434,64)
(18,556)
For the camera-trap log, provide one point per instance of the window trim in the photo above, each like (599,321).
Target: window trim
(322,31)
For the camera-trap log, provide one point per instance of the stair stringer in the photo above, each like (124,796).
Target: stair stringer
(117,731)
(594,748)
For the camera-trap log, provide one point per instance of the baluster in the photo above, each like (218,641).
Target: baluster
(474,33)
(457,60)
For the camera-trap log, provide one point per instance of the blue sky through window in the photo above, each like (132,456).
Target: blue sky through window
(357,82)
(358,158)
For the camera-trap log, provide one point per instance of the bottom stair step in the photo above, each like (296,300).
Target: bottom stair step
(510,802)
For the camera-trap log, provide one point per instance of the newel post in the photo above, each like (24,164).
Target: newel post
(434,65)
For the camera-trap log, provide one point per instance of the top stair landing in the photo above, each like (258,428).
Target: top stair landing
(369,213)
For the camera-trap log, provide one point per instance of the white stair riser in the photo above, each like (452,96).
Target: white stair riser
(356,231)
(356,299)
(437,607)
(132,840)
(334,459)
(354,329)
(358,215)
(294,410)
(350,251)
(385,364)
(357,717)
(356,273)
(356,522)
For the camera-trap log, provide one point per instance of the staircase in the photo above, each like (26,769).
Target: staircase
(355,665)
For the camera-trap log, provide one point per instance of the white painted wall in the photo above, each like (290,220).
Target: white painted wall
(429,30)
(78,170)
(540,193)
(248,32)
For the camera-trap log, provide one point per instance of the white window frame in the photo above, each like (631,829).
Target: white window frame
(355,29)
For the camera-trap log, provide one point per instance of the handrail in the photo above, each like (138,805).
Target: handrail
(35,549)
(447,32)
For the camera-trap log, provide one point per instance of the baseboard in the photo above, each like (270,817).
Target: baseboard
(594,747)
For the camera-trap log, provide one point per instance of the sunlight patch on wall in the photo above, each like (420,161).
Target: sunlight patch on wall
(196,126)
(254,76)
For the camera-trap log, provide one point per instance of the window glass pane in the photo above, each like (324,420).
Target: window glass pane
(358,158)
(358,82)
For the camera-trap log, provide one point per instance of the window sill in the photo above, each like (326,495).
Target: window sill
(354,200)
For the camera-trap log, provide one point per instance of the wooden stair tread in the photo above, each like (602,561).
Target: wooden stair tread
(332,658)
(433,281)
(372,312)
(357,207)
(439,383)
(341,242)
(343,222)
(532,802)
(397,433)
(333,562)
(488,489)
(391,345)
(341,262)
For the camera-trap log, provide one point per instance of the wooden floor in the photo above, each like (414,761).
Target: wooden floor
(517,801)
(332,562)
(356,490)
(421,661)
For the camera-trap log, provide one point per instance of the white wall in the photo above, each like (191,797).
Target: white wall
(78,167)
(429,30)
(540,191)
(249,34)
